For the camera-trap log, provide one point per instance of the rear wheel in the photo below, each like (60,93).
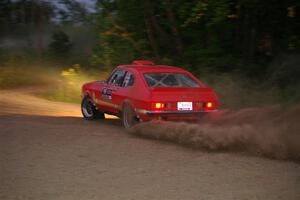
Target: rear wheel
(129,118)
(89,110)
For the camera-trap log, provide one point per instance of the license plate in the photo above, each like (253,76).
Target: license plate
(185,105)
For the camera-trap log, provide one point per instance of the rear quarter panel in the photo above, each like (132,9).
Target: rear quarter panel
(139,95)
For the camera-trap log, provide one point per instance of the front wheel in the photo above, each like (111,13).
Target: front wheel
(129,118)
(89,110)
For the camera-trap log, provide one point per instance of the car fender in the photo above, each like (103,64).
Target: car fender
(126,101)
(87,93)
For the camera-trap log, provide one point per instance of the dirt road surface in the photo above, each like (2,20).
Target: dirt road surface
(47,151)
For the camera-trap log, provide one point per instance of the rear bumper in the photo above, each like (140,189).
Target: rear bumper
(176,113)
(172,115)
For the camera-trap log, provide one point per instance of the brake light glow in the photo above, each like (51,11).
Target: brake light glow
(159,105)
(209,105)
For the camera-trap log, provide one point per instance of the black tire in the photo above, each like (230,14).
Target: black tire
(89,110)
(128,116)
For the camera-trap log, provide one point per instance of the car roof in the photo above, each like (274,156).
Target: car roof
(152,68)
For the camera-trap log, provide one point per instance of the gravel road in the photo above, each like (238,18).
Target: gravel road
(47,151)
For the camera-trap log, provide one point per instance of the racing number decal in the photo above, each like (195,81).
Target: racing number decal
(106,93)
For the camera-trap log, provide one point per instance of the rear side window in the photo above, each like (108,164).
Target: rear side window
(128,80)
(170,80)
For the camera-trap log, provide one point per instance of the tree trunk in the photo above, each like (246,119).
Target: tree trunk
(40,39)
(152,40)
(163,35)
(174,30)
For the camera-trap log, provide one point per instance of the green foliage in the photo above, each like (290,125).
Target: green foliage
(220,35)
(60,45)
(237,92)
(284,74)
(20,76)
(69,83)
(208,38)
(210,12)
(284,71)
(20,15)
(119,41)
(219,40)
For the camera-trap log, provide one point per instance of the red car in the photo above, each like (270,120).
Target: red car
(143,91)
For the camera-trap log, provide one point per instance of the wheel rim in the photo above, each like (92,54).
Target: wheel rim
(87,108)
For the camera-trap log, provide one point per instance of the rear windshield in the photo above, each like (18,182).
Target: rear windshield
(169,80)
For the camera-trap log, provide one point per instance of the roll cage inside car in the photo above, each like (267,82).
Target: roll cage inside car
(169,79)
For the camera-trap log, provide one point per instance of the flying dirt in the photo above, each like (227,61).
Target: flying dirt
(47,151)
(271,131)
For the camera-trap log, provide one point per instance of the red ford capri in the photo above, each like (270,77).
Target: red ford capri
(143,91)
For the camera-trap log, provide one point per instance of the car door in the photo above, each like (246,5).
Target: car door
(109,98)
(124,91)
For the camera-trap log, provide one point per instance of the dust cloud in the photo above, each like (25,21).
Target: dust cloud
(272,132)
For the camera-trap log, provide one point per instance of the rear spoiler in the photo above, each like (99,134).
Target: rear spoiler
(142,62)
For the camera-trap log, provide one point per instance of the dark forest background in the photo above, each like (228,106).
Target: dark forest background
(251,43)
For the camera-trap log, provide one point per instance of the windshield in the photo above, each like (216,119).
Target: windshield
(170,80)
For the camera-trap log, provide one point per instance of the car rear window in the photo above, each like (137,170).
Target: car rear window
(169,80)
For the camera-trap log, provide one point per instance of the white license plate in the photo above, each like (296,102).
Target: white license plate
(184,105)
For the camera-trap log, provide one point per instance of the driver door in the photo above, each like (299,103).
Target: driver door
(108,94)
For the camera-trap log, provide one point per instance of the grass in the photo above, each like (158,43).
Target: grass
(65,85)
(233,91)
(68,86)
(16,76)
(61,94)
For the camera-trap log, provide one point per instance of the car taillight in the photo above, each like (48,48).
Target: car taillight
(209,105)
(206,105)
(159,105)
